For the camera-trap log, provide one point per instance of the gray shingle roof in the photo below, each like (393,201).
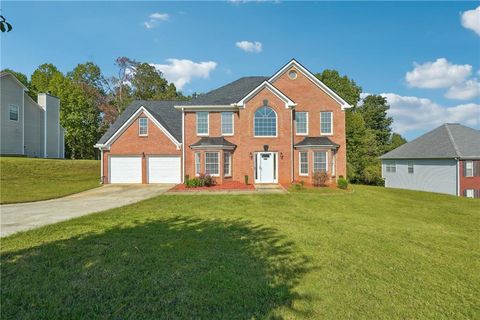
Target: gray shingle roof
(450,140)
(317,142)
(230,93)
(163,111)
(213,141)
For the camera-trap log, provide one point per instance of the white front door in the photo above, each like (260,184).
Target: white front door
(266,167)
(165,169)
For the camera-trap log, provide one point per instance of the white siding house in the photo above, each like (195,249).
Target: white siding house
(27,127)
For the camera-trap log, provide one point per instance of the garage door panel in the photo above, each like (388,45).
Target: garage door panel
(125,170)
(164,169)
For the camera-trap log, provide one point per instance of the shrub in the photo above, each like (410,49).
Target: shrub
(187,177)
(208,180)
(342,183)
(246,180)
(320,178)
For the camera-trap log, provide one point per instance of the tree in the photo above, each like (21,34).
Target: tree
(89,74)
(343,86)
(42,76)
(20,76)
(149,84)
(395,141)
(4,25)
(374,111)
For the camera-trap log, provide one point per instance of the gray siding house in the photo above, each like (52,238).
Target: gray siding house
(444,160)
(28,127)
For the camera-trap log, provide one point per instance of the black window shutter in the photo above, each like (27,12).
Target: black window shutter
(464,165)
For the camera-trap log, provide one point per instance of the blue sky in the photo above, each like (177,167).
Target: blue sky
(423,56)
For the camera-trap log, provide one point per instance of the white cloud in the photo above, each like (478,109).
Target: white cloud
(464,91)
(182,71)
(155,18)
(471,20)
(437,74)
(249,46)
(413,113)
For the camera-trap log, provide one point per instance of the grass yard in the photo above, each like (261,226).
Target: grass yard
(29,179)
(372,254)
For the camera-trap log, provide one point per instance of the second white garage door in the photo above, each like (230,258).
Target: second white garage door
(164,169)
(125,170)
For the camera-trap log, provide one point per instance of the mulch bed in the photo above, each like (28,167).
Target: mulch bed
(230,185)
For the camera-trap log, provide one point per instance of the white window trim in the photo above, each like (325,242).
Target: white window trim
(296,127)
(467,191)
(233,124)
(218,164)
(276,124)
(331,124)
(18,112)
(139,127)
(466,168)
(208,124)
(410,164)
(229,164)
(197,161)
(300,164)
(326,160)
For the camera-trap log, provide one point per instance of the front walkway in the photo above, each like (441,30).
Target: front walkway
(25,216)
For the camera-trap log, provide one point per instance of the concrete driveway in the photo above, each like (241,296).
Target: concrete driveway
(25,216)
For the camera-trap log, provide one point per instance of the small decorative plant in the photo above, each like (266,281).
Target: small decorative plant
(320,178)
(201,181)
(246,180)
(342,183)
(187,177)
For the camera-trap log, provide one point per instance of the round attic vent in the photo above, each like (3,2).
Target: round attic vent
(292,74)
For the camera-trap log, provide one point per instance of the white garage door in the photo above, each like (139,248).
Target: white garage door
(164,169)
(125,170)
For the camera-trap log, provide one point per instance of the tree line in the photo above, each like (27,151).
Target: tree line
(91,102)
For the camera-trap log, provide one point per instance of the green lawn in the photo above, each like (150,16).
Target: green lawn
(372,254)
(29,179)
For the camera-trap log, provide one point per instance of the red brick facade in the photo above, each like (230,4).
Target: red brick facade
(307,95)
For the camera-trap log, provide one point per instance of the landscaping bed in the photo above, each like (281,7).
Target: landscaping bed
(226,186)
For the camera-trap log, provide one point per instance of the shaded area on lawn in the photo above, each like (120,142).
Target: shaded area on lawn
(180,267)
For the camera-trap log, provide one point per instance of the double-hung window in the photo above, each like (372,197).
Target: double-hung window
(326,122)
(320,161)
(143,127)
(390,166)
(227,164)
(227,123)
(212,163)
(469,193)
(410,166)
(197,163)
(13,112)
(202,123)
(301,122)
(468,168)
(303,163)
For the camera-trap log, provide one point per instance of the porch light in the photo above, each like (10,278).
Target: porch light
(281,155)
(251,155)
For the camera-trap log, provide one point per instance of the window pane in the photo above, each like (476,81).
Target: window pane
(13,110)
(265,122)
(325,122)
(320,161)
(197,163)
(301,122)
(410,167)
(143,126)
(211,163)
(469,168)
(202,122)
(304,163)
(227,122)
(227,157)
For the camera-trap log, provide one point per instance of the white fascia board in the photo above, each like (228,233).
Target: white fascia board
(130,120)
(344,105)
(288,103)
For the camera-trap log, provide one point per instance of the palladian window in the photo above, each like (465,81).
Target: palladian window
(265,122)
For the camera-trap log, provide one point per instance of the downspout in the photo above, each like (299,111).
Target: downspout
(101,166)
(458,177)
(291,146)
(183,145)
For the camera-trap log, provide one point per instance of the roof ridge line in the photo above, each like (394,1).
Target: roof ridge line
(450,136)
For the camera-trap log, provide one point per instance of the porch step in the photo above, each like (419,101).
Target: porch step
(273,188)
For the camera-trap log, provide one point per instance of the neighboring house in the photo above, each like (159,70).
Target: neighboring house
(444,160)
(274,129)
(27,127)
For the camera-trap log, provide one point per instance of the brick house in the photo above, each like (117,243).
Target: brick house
(444,160)
(274,129)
